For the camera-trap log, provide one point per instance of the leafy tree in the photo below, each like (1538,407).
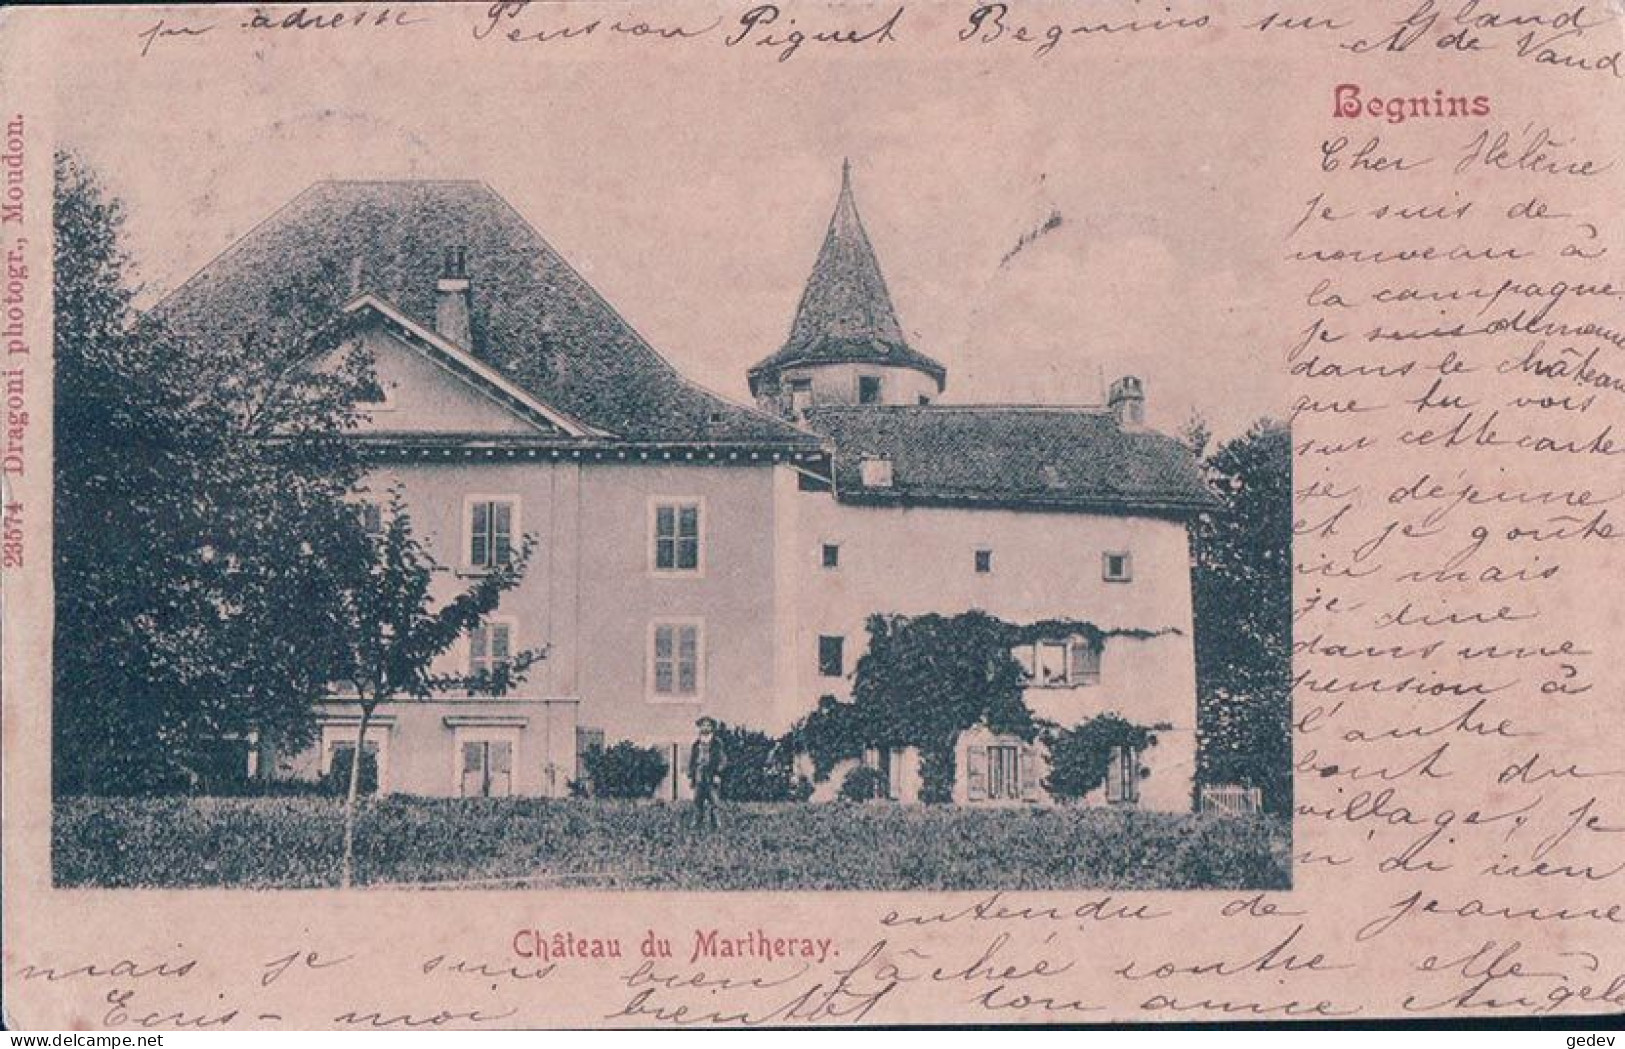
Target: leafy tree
(625,770)
(1242,583)
(1080,756)
(392,629)
(193,604)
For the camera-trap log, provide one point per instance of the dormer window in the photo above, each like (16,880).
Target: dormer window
(876,473)
(800,395)
(868,389)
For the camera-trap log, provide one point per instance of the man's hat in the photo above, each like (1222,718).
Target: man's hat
(706,722)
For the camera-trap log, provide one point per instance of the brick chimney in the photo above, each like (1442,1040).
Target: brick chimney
(1127,402)
(451,310)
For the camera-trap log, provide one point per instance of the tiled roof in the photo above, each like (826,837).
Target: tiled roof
(1024,456)
(535,319)
(846,313)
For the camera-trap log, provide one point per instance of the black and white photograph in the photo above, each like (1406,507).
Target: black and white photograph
(619,514)
(395,546)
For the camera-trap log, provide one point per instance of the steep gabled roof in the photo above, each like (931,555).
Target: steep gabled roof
(1012,456)
(534,318)
(846,312)
(476,373)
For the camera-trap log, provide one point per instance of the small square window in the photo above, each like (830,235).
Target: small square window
(868,389)
(832,555)
(984,562)
(831,656)
(1117,567)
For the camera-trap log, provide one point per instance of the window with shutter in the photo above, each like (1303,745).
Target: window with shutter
(490,532)
(1123,776)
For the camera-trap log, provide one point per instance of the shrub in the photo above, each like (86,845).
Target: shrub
(832,733)
(758,766)
(625,770)
(1079,756)
(863,784)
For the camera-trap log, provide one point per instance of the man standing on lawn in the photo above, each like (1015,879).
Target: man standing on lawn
(706,761)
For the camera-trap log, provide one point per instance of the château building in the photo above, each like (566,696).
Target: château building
(696,556)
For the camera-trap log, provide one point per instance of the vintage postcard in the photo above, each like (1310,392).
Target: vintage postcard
(686,514)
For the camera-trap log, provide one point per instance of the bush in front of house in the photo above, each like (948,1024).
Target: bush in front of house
(863,784)
(1080,756)
(758,767)
(625,770)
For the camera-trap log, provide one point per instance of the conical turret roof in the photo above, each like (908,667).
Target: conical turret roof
(846,313)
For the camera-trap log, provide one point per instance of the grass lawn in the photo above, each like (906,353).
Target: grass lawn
(524,842)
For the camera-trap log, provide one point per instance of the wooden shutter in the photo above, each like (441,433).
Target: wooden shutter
(473,778)
(688,660)
(479,535)
(665,537)
(1084,662)
(688,538)
(976,773)
(1029,773)
(501,533)
(501,776)
(1114,775)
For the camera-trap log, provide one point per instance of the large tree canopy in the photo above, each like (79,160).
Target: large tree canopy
(1242,584)
(193,603)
